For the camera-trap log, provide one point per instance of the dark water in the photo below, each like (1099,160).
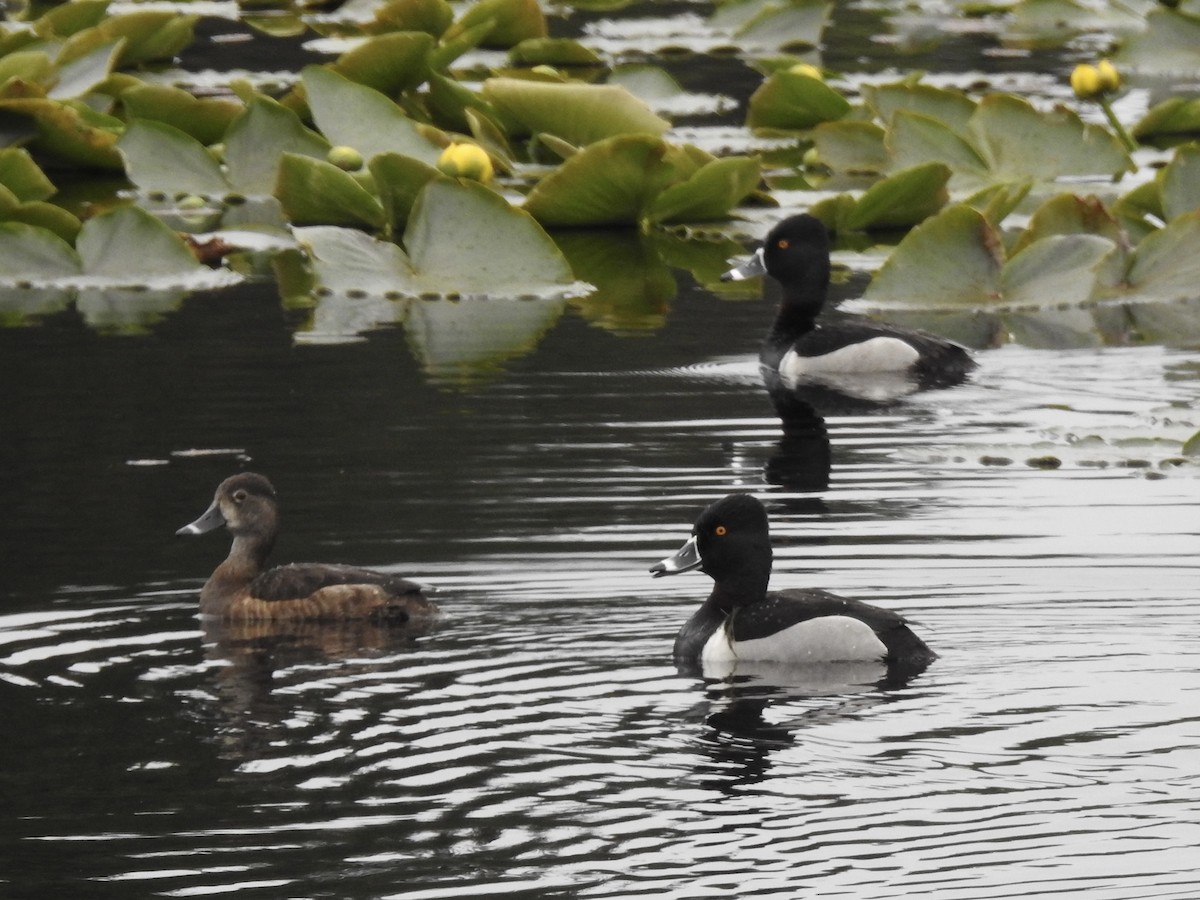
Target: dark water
(540,742)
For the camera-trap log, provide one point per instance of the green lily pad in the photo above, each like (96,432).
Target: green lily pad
(850,146)
(997,201)
(462,239)
(545,51)
(709,193)
(790,101)
(314,192)
(21,175)
(35,254)
(398,181)
(432,17)
(145,36)
(1070,214)
(38,213)
(128,242)
(1166,44)
(160,157)
(1018,142)
(505,249)
(66,19)
(1181,182)
(257,140)
(206,119)
(952,109)
(28,66)
(794,25)
(354,115)
(952,259)
(901,200)
(578,113)
(390,63)
(1060,269)
(611,182)
(1173,116)
(71,132)
(511,21)
(78,76)
(1166,265)
(915,138)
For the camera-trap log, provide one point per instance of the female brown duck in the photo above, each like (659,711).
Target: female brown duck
(240,590)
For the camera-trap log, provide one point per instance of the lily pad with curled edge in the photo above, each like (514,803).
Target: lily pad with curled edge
(70,132)
(431,17)
(953,259)
(258,139)
(28,253)
(915,137)
(851,146)
(144,37)
(389,63)
(78,76)
(765,25)
(901,200)
(546,51)
(791,101)
(22,176)
(205,119)
(511,21)
(1172,117)
(315,192)
(1067,214)
(160,157)
(611,182)
(354,115)
(53,218)
(577,113)
(708,193)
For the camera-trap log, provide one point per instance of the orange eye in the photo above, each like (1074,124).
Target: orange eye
(782,243)
(720,531)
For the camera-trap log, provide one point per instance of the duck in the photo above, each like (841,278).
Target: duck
(239,590)
(797,348)
(743,620)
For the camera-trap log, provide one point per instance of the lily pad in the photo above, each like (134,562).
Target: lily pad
(851,146)
(206,119)
(257,140)
(1166,265)
(398,181)
(21,175)
(578,113)
(545,51)
(952,259)
(1060,269)
(952,109)
(35,254)
(129,243)
(1068,214)
(1181,182)
(1018,142)
(511,21)
(71,132)
(315,192)
(767,25)
(145,36)
(354,115)
(915,137)
(160,157)
(1173,116)
(1167,44)
(709,193)
(78,76)
(611,182)
(790,101)
(390,63)
(901,200)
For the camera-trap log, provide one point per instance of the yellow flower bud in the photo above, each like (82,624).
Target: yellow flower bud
(806,69)
(1085,82)
(346,158)
(466,161)
(1110,78)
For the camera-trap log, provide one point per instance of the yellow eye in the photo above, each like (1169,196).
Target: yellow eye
(720,531)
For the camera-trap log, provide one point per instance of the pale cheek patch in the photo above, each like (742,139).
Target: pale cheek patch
(880,354)
(827,639)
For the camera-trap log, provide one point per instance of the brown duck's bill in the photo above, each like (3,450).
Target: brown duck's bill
(754,266)
(684,560)
(212,519)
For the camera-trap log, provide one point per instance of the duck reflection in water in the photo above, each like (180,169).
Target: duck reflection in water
(803,457)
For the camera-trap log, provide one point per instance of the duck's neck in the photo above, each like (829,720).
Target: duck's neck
(797,313)
(245,562)
(737,589)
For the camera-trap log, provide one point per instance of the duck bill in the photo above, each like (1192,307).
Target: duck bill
(211,519)
(684,560)
(754,267)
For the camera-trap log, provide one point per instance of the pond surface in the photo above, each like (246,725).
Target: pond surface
(540,742)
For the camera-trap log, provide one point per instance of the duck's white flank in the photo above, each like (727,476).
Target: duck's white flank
(879,354)
(827,639)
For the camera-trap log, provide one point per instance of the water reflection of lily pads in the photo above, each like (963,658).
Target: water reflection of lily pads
(470,338)
(126,311)
(634,286)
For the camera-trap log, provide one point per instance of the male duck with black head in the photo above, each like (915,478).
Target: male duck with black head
(239,590)
(743,620)
(797,348)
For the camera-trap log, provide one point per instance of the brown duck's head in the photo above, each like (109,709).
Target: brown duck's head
(246,504)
